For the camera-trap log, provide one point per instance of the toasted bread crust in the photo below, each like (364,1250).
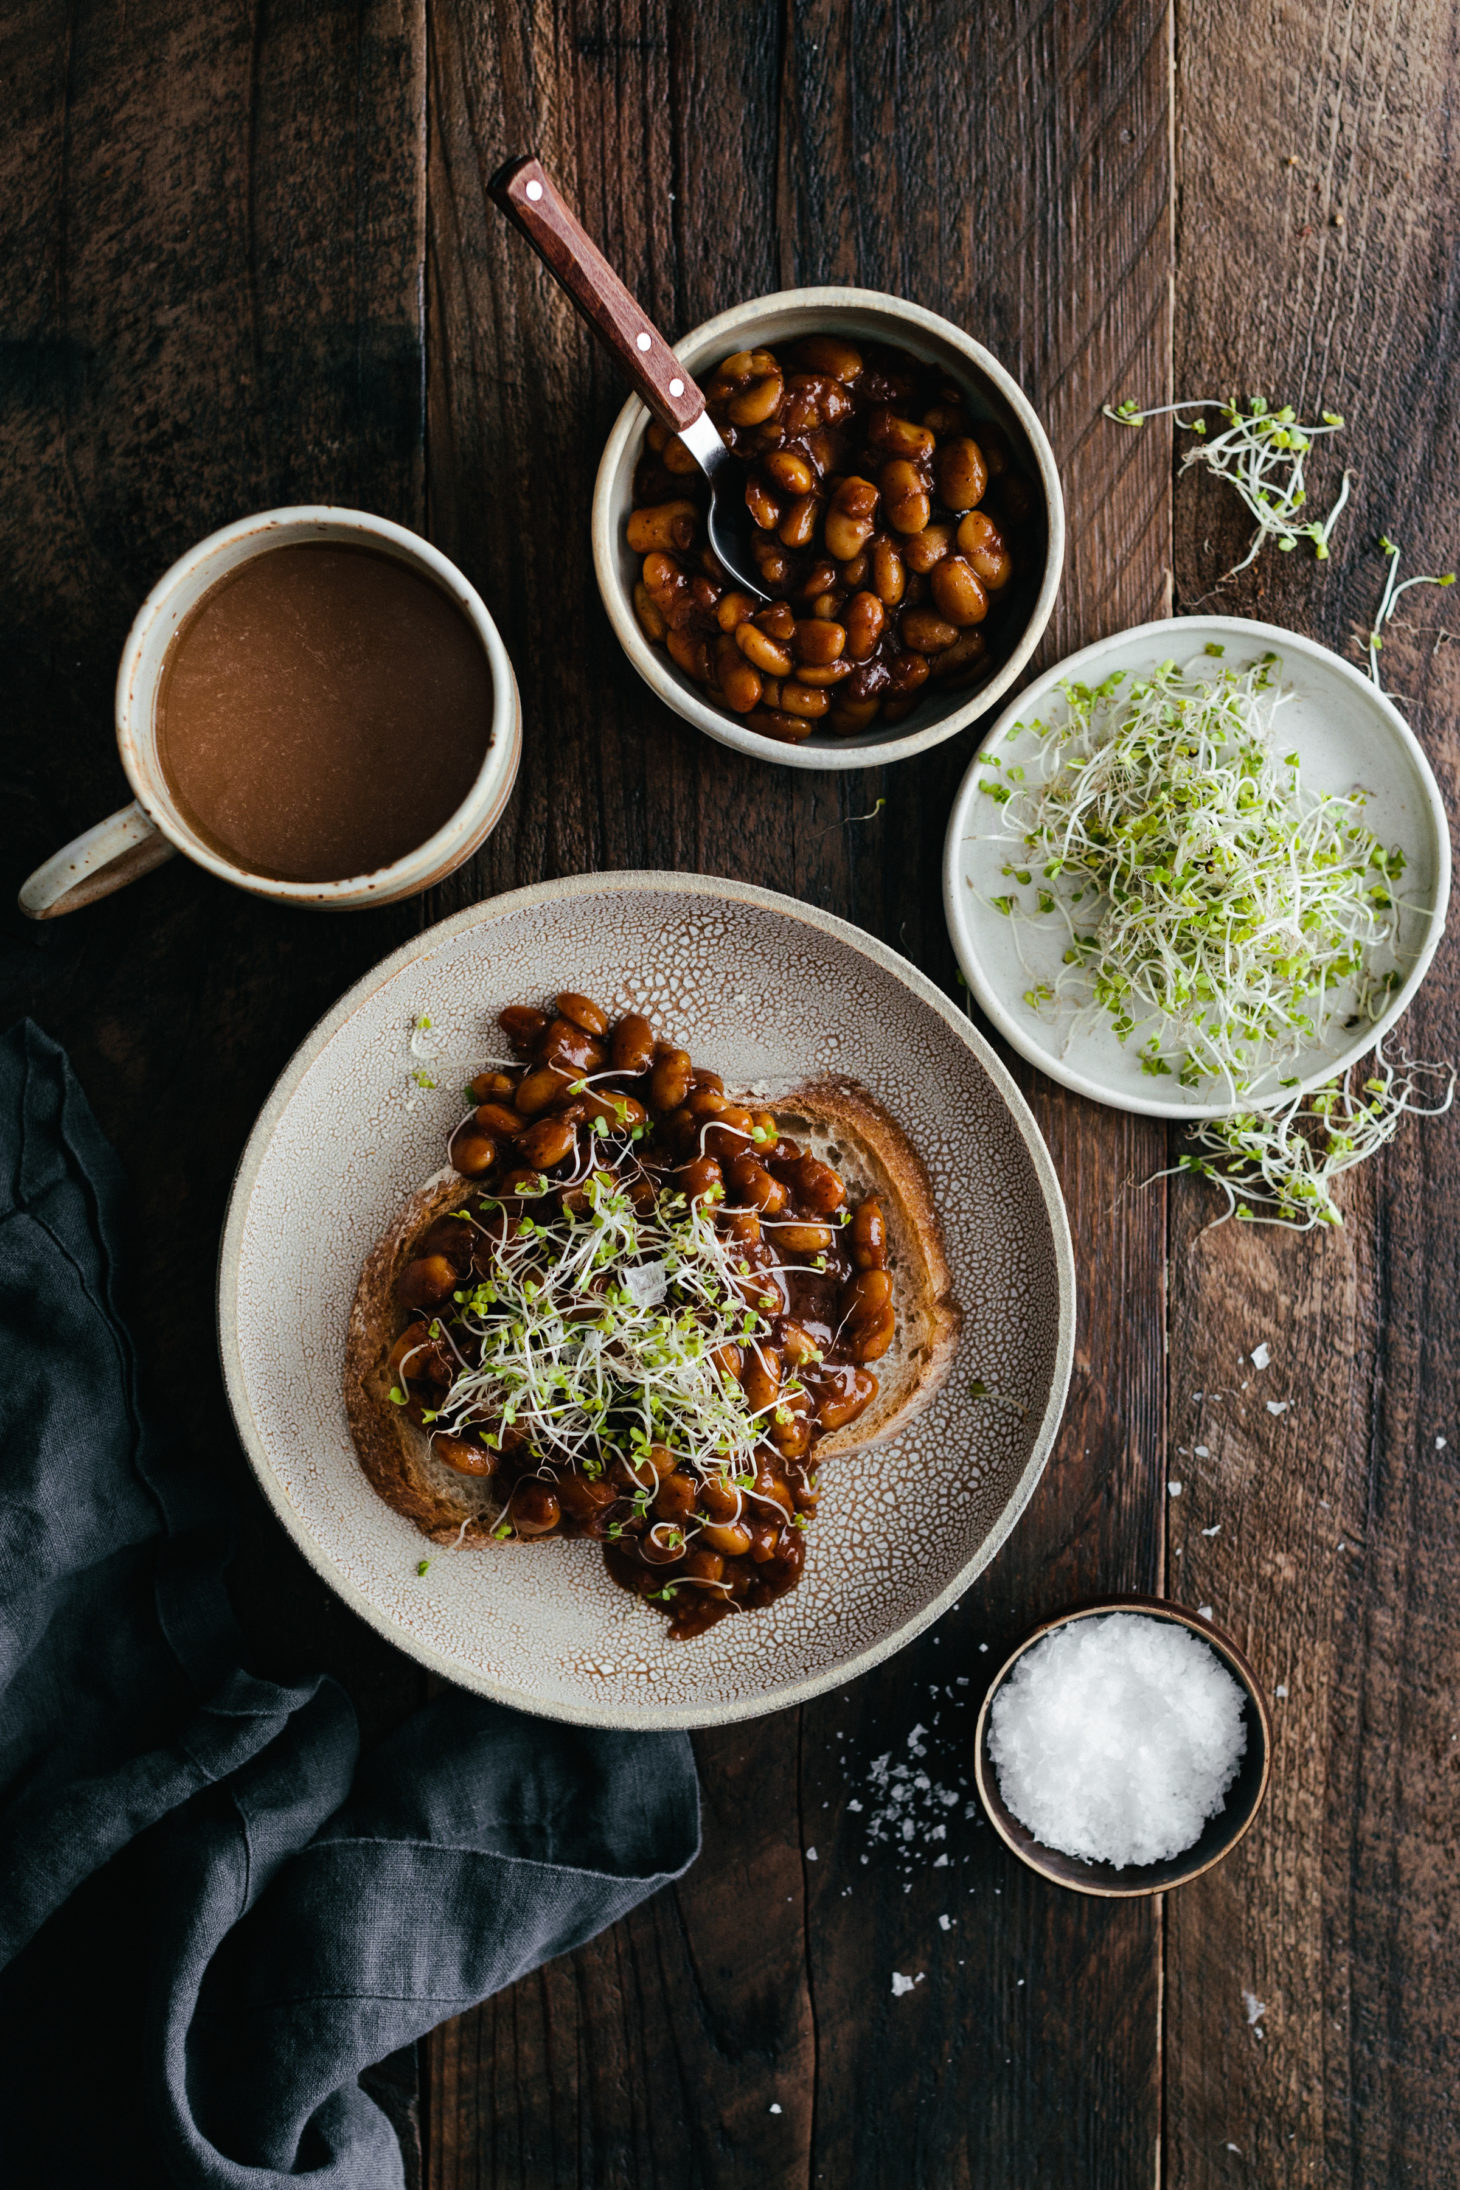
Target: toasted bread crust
(849,1127)
(873,1154)
(394,1453)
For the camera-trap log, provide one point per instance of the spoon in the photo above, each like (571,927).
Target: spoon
(527,197)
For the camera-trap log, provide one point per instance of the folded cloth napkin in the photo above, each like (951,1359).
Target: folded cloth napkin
(213,1914)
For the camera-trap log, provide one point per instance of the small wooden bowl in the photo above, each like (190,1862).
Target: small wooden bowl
(1220,1834)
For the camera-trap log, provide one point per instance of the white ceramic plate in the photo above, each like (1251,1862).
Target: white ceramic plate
(764,990)
(1347,736)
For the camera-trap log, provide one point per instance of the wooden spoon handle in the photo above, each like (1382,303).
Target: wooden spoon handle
(527,197)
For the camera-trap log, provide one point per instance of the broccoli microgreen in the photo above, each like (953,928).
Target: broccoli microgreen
(1227,911)
(1260,453)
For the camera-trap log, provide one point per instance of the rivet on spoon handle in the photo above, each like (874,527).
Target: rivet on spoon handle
(526,195)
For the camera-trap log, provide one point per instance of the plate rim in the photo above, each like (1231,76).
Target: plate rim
(623,882)
(1014,1030)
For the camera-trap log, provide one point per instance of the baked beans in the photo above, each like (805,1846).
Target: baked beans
(888,523)
(596,1121)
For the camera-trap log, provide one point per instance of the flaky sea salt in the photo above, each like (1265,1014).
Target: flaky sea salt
(1117,1738)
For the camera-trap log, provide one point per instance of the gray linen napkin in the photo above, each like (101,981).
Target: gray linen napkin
(213,1914)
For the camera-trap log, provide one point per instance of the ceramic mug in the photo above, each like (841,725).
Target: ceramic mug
(141,836)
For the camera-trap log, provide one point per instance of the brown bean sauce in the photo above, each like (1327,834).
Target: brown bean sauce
(675,1530)
(322,711)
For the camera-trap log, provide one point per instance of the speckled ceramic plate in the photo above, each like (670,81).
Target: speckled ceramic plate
(763,989)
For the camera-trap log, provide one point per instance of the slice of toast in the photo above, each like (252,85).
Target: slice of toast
(839,1123)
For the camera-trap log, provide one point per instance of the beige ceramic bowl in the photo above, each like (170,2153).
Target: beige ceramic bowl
(770,992)
(868,315)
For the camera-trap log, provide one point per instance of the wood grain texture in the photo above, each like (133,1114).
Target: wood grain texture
(215,241)
(1016,177)
(528,196)
(1316,263)
(219,251)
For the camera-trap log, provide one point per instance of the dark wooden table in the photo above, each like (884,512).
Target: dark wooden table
(250,260)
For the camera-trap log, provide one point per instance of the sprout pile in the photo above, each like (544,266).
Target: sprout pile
(596,1335)
(1219,912)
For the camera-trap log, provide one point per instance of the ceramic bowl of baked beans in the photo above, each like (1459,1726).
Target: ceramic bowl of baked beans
(906,521)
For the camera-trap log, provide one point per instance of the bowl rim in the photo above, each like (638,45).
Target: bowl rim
(563,889)
(996,1809)
(654,667)
(1085,664)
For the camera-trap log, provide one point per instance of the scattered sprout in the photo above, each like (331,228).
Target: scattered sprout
(1279,1166)
(1389,601)
(423,1566)
(1260,452)
(848,820)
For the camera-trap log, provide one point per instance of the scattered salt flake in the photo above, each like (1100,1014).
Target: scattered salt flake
(1173,1490)
(1204,1611)
(983,1646)
(901,1984)
(854,1804)
(811,1855)
(1281,1691)
(774,2108)
(1261,1355)
(1256,2008)
(1116,1738)
(1276,1406)
(646,1283)
(1342,1546)
(940,1863)
(1214,1530)
(1203,1452)
(945,1923)
(1441,1443)
(1235,2148)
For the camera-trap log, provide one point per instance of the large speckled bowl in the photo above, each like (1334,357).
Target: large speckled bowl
(765,990)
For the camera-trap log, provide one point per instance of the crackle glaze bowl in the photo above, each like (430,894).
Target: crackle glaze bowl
(863,315)
(767,991)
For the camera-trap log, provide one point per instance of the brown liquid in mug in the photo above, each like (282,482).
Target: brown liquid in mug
(322,711)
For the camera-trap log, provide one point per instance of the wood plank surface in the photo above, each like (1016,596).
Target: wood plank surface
(1316,264)
(249,259)
(215,240)
(742,2028)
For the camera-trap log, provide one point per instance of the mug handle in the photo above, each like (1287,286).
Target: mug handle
(94,864)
